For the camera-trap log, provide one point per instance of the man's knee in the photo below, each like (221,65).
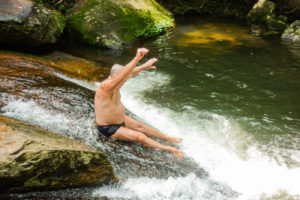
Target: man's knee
(141,138)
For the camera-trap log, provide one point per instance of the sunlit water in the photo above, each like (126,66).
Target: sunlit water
(232,96)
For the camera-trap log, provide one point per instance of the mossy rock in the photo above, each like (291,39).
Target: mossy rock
(113,24)
(263,13)
(292,32)
(34,159)
(274,24)
(260,11)
(23,22)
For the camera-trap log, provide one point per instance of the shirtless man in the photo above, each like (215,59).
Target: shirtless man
(110,112)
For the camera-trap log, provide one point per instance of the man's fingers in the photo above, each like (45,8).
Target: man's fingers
(143,51)
(153,60)
(150,62)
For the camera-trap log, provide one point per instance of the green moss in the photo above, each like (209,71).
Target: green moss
(59,22)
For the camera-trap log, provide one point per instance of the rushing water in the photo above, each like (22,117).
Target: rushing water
(231,95)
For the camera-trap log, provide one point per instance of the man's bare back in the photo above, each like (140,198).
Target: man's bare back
(110,111)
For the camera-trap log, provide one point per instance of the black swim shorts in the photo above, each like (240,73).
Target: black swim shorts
(109,130)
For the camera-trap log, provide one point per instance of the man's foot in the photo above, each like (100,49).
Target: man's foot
(174,140)
(176,152)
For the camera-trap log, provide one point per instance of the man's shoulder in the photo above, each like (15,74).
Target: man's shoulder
(101,90)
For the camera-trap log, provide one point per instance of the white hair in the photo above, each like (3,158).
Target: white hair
(115,69)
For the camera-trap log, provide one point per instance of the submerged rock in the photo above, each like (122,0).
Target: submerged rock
(23,22)
(112,24)
(292,32)
(32,158)
(77,67)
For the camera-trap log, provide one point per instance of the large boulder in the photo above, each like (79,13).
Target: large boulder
(292,32)
(34,159)
(23,22)
(112,24)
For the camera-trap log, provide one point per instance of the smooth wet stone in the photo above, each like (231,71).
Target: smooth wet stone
(78,67)
(23,22)
(113,24)
(292,32)
(58,62)
(32,158)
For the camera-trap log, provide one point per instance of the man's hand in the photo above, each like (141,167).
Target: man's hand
(149,64)
(146,65)
(141,52)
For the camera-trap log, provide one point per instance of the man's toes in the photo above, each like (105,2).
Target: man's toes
(176,140)
(179,154)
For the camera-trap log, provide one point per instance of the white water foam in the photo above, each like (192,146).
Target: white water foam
(180,188)
(71,126)
(207,140)
(82,83)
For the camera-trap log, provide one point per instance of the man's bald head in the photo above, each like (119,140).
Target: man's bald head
(115,69)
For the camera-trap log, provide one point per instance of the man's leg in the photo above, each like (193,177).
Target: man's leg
(151,132)
(126,134)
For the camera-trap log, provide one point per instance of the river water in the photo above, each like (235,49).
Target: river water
(230,94)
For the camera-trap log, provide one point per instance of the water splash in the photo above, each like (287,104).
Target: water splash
(216,142)
(77,127)
(179,188)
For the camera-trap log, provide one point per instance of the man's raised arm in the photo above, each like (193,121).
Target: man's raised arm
(124,73)
(146,65)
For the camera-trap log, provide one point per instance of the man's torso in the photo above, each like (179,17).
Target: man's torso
(109,108)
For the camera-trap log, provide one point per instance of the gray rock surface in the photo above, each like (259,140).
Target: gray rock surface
(23,22)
